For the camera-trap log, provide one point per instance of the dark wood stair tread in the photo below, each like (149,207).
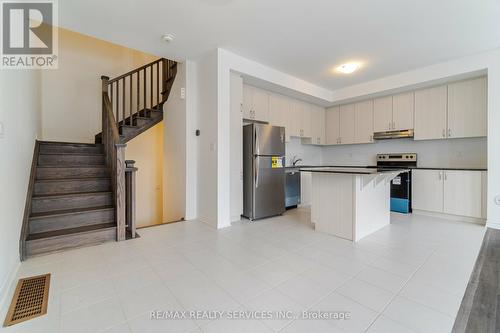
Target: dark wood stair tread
(71,231)
(69,211)
(73,153)
(76,194)
(72,166)
(60,143)
(84,166)
(57,180)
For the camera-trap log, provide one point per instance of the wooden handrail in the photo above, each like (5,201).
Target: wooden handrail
(135,71)
(144,88)
(116,93)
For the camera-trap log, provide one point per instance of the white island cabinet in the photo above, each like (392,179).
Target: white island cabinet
(350,203)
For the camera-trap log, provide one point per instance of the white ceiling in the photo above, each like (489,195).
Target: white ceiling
(304,38)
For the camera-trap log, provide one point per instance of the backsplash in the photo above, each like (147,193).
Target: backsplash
(466,153)
(469,152)
(310,155)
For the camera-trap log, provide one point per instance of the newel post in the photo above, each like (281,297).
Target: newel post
(104,80)
(130,171)
(120,194)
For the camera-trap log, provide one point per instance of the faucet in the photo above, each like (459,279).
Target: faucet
(296,160)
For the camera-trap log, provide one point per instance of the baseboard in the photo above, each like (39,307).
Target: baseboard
(6,290)
(450,217)
(493,224)
(235,218)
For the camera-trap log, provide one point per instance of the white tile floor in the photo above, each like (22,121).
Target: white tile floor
(407,277)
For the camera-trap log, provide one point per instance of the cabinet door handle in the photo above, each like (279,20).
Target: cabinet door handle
(444,133)
(393,125)
(371,138)
(445,175)
(449,132)
(440,175)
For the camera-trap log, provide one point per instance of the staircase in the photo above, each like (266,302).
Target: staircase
(72,199)
(83,194)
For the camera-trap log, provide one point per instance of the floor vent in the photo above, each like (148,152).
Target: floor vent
(30,299)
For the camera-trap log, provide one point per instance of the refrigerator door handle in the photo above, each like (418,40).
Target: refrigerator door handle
(257,146)
(257,165)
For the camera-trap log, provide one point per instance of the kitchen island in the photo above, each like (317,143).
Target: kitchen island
(351,203)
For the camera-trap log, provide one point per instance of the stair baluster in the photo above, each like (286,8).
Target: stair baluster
(128,127)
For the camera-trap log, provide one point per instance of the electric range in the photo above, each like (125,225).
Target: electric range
(400,185)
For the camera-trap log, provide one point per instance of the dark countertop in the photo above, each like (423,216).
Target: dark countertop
(451,169)
(374,167)
(353,171)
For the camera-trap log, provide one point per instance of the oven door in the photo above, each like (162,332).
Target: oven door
(401,193)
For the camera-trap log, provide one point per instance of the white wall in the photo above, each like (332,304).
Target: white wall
(71,95)
(191,140)
(236,141)
(310,154)
(146,150)
(20,115)
(207,175)
(174,152)
(467,153)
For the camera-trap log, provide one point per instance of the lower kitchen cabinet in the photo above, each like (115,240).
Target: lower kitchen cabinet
(454,192)
(463,193)
(305,188)
(427,190)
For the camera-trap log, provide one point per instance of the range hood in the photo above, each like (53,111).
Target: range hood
(393,135)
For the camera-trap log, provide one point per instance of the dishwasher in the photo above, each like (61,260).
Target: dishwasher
(292,188)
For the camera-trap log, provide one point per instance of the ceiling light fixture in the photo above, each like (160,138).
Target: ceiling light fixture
(348,68)
(167,38)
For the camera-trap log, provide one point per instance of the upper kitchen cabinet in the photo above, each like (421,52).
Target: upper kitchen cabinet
(430,113)
(317,125)
(382,114)
(279,113)
(467,108)
(301,116)
(255,103)
(363,122)
(332,126)
(403,109)
(347,124)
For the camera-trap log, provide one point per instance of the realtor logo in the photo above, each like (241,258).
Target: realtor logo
(29,34)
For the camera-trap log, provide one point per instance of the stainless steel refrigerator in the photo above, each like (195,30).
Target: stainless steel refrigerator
(263,171)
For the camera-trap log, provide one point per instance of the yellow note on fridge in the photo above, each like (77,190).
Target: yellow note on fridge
(276,162)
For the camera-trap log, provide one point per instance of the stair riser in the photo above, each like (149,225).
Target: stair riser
(72,149)
(141,122)
(59,160)
(41,246)
(74,186)
(61,173)
(127,131)
(44,224)
(39,205)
